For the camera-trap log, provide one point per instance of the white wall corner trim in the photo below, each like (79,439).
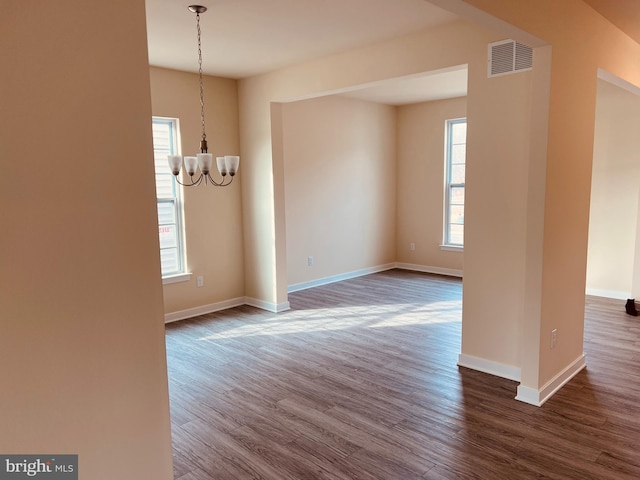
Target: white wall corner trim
(615,294)
(268,306)
(489,366)
(450,272)
(538,397)
(203,309)
(338,278)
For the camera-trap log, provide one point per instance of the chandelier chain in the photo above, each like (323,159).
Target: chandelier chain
(204,135)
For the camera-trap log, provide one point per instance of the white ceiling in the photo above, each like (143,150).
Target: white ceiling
(241,38)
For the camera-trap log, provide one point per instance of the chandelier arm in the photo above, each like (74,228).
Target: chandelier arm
(221,183)
(193,183)
(183,184)
(207,178)
(214,182)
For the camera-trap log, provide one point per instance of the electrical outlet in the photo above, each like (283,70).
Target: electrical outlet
(200,281)
(412,246)
(310,261)
(554,337)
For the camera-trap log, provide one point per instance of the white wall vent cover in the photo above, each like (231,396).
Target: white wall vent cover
(509,56)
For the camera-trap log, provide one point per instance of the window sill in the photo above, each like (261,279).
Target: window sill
(452,248)
(180,277)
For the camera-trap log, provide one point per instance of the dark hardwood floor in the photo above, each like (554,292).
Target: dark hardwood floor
(359,380)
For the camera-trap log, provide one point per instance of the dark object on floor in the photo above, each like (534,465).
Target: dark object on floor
(630,307)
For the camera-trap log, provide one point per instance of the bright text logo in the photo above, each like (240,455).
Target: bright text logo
(45,467)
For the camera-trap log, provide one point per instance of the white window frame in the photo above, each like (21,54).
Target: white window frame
(448,243)
(178,274)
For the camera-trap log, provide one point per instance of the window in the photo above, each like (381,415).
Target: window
(456,146)
(165,142)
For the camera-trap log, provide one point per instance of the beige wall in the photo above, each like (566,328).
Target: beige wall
(582,41)
(263,180)
(340,186)
(421,136)
(83,363)
(614,193)
(259,197)
(497,171)
(213,216)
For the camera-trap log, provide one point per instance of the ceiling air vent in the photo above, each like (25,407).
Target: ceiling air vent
(509,56)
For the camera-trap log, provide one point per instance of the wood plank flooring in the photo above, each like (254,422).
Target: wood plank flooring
(359,381)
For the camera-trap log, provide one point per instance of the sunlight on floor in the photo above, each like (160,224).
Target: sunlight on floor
(366,316)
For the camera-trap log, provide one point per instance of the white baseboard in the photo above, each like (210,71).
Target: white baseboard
(281,307)
(202,310)
(338,278)
(618,295)
(268,306)
(366,271)
(538,397)
(216,307)
(450,272)
(488,366)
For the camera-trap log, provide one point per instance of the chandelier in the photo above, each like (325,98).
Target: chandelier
(203,161)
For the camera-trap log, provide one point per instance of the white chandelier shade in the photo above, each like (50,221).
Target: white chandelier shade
(227,165)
